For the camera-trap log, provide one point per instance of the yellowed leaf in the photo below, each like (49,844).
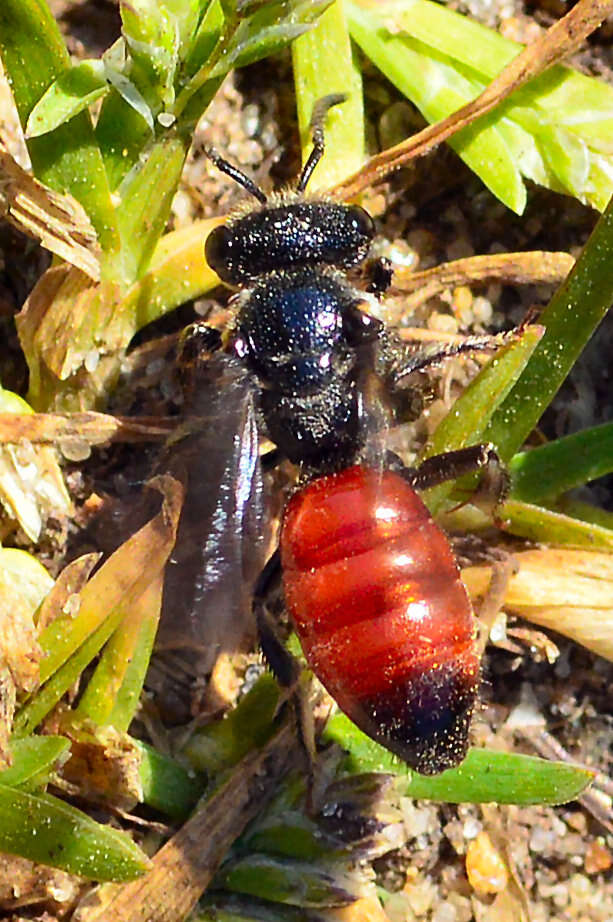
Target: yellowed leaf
(104,765)
(567,590)
(516,268)
(63,595)
(31,482)
(24,583)
(120,581)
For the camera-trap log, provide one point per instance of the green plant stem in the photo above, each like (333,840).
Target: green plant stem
(202,75)
(544,472)
(570,319)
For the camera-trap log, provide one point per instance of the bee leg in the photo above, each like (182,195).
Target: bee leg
(282,664)
(286,668)
(271,459)
(450,465)
(379,274)
(402,361)
(196,339)
(494,597)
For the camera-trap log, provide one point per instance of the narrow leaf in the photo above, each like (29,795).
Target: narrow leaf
(293,882)
(74,90)
(466,423)
(31,756)
(544,472)
(130,93)
(146,196)
(570,319)
(113,692)
(554,139)
(167,786)
(44,829)
(536,523)
(484,776)
(124,575)
(437,89)
(214,748)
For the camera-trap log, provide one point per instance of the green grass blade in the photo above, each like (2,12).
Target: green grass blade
(113,692)
(297,883)
(570,318)
(537,523)
(584,105)
(482,50)
(31,757)
(167,786)
(544,472)
(46,830)
(569,114)
(467,421)
(324,63)
(437,89)
(221,745)
(485,776)
(65,677)
(113,588)
(557,130)
(67,159)
(293,835)
(585,511)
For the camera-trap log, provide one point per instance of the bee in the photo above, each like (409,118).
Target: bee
(369,579)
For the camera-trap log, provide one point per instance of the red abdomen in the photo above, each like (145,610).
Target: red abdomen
(384,620)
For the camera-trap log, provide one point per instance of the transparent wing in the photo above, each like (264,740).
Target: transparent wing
(221,538)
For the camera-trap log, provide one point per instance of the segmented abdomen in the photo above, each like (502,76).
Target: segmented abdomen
(383,617)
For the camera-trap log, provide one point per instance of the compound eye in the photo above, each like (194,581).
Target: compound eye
(362,222)
(218,251)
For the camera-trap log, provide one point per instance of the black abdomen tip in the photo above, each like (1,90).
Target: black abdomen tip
(424,718)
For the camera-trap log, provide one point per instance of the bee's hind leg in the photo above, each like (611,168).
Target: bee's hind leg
(284,666)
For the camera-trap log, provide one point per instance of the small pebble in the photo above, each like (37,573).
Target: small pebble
(541,839)
(597,858)
(472,828)
(485,868)
(446,912)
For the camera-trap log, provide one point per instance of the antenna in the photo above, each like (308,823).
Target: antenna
(320,110)
(234,173)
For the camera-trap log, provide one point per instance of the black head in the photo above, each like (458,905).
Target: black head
(289,236)
(292,233)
